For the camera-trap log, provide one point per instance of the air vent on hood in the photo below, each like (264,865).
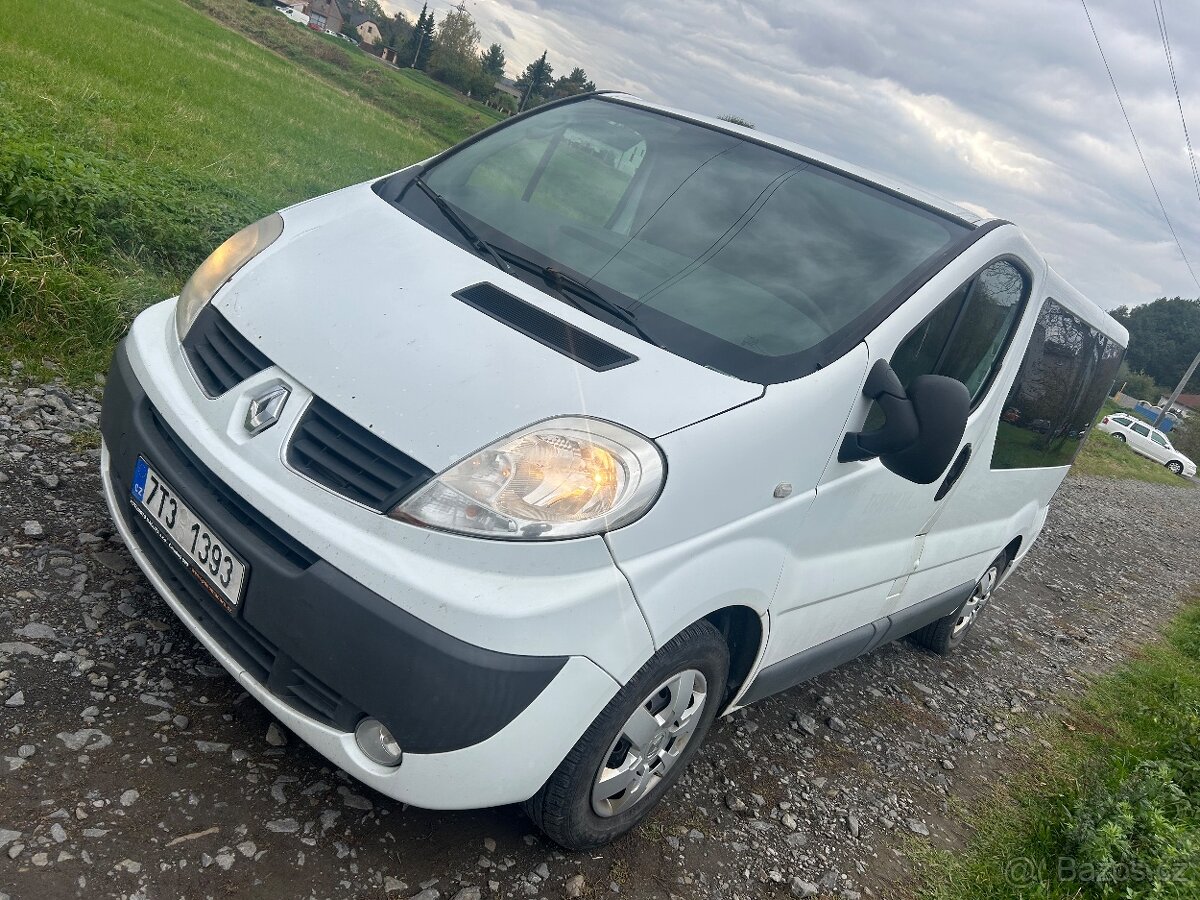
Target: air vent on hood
(336,451)
(220,357)
(545,328)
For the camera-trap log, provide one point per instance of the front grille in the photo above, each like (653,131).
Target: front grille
(263,528)
(347,458)
(220,356)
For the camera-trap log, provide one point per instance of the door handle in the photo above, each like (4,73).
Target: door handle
(956,469)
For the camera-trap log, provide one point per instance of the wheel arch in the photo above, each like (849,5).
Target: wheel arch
(745,635)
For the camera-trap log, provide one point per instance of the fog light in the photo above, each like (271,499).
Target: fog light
(377,743)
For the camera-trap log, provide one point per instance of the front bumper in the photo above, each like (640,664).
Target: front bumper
(478,727)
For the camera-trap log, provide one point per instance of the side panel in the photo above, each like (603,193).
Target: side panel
(718,536)
(861,557)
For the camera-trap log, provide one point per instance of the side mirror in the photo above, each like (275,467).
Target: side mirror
(923,428)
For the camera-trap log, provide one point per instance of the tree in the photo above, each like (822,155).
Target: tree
(570,85)
(736,120)
(420,42)
(492,60)
(455,56)
(535,82)
(1164,336)
(1138,385)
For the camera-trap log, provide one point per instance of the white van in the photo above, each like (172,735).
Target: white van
(498,479)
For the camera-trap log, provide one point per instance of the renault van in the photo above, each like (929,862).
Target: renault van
(497,479)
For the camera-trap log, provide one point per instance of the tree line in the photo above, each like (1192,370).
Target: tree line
(450,50)
(1164,337)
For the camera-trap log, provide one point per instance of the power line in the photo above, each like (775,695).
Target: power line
(1137,145)
(1161,14)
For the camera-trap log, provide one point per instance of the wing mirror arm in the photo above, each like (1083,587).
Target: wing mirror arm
(901,428)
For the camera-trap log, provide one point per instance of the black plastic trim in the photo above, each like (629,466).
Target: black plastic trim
(315,638)
(549,331)
(219,356)
(333,450)
(808,664)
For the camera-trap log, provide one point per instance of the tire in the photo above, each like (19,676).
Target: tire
(1175,467)
(945,635)
(1120,437)
(577,807)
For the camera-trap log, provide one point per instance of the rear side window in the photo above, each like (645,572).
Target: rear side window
(1142,430)
(1067,372)
(1122,420)
(965,337)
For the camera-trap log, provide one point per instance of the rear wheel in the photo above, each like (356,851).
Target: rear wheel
(1175,466)
(944,635)
(1120,437)
(639,746)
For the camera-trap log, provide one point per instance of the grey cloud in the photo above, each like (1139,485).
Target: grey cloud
(1006,107)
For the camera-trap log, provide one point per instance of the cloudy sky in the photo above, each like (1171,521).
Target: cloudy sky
(1002,107)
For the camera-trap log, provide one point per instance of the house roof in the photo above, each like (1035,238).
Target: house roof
(361,19)
(1191,401)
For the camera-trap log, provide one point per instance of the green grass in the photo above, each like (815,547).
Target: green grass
(1113,808)
(136,135)
(1105,456)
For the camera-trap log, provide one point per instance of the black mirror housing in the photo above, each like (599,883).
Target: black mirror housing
(923,428)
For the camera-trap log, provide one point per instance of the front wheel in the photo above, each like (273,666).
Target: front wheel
(1175,466)
(639,745)
(944,635)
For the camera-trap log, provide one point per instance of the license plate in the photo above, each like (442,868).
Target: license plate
(198,547)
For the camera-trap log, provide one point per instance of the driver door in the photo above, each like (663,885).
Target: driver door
(865,533)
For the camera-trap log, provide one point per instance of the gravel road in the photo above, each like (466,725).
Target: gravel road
(132,766)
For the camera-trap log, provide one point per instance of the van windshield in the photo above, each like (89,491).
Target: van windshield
(738,256)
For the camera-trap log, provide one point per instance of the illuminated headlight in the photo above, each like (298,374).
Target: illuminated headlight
(221,265)
(567,477)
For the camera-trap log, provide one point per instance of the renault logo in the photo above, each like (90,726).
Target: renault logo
(265,409)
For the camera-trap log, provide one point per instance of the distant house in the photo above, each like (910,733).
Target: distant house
(508,86)
(1185,405)
(324,15)
(368,31)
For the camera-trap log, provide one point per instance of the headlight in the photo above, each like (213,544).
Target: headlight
(562,478)
(221,265)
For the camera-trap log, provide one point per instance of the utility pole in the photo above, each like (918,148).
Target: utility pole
(420,38)
(1187,376)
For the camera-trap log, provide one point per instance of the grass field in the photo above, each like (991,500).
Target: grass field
(135,135)
(1112,809)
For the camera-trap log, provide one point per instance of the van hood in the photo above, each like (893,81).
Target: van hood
(356,302)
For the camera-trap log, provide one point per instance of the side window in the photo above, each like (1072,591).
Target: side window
(1067,372)
(1143,430)
(1159,439)
(1122,420)
(965,336)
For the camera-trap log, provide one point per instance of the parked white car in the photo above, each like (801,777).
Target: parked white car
(497,479)
(1149,442)
(292,13)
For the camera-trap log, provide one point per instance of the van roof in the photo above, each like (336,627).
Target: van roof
(1056,286)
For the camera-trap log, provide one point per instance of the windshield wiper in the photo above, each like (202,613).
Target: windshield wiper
(574,291)
(464,229)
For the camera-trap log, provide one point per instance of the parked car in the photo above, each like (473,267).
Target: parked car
(292,13)
(1149,442)
(497,479)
